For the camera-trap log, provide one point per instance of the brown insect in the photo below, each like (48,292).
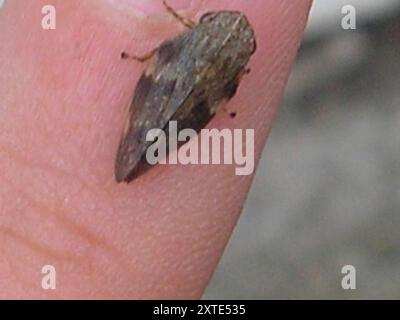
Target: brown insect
(187,80)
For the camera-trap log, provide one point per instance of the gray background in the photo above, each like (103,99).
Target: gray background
(327,192)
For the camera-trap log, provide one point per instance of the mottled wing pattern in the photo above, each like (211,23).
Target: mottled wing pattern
(160,91)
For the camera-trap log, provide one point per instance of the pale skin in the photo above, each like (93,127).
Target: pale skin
(64,95)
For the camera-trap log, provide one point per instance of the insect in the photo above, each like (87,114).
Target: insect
(187,80)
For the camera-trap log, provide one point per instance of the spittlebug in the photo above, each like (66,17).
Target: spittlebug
(187,80)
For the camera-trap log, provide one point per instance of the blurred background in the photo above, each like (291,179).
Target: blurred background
(327,192)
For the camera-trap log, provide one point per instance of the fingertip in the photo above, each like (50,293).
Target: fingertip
(147,7)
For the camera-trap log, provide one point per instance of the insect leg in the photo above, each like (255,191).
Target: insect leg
(142,58)
(232,114)
(185,21)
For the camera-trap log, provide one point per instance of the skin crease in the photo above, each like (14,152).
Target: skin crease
(64,95)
